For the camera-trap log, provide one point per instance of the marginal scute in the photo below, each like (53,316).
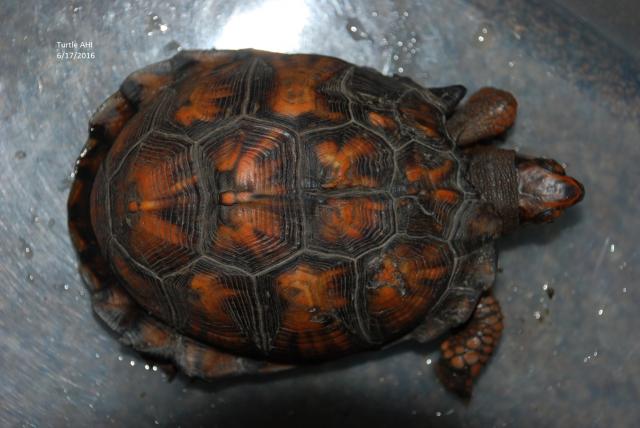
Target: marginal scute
(141,86)
(424,121)
(370,87)
(313,312)
(141,283)
(475,272)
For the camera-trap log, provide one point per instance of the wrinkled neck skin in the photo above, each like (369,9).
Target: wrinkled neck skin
(522,189)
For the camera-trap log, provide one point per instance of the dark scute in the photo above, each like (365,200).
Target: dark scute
(369,86)
(450,96)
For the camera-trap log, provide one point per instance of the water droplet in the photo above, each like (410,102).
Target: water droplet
(154,368)
(146,366)
(428,361)
(20,154)
(97,355)
(624,289)
(66,287)
(26,249)
(154,23)
(132,363)
(172,46)
(483,36)
(30,277)
(374,13)
(612,248)
(400,69)
(600,312)
(438,414)
(511,64)
(589,357)
(549,290)
(356,30)
(537,315)
(120,358)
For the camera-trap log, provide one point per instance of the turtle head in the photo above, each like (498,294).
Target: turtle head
(521,189)
(544,189)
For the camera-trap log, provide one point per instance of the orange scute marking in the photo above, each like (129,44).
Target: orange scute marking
(203,104)
(349,218)
(447,196)
(297,84)
(307,292)
(227,155)
(252,167)
(404,281)
(431,175)
(381,121)
(212,295)
(341,160)
(422,115)
(249,223)
(152,225)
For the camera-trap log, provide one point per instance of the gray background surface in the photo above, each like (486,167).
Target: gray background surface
(570,360)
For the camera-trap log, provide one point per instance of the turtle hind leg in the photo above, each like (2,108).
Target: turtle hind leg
(466,352)
(153,339)
(487,114)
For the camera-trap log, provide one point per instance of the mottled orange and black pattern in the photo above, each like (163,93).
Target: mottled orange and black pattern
(289,207)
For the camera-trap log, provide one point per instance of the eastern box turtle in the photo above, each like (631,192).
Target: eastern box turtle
(247,211)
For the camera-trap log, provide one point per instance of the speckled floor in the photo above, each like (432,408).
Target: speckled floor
(567,360)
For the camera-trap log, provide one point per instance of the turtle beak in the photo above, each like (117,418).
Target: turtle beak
(545,190)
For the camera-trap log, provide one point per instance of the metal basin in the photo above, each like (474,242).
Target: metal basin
(568,358)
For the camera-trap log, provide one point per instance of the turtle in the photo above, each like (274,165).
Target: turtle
(245,212)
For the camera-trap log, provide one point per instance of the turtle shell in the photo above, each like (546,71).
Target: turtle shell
(293,207)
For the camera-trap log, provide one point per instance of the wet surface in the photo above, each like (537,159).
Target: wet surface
(569,356)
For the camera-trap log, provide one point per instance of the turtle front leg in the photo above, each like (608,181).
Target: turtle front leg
(487,114)
(465,353)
